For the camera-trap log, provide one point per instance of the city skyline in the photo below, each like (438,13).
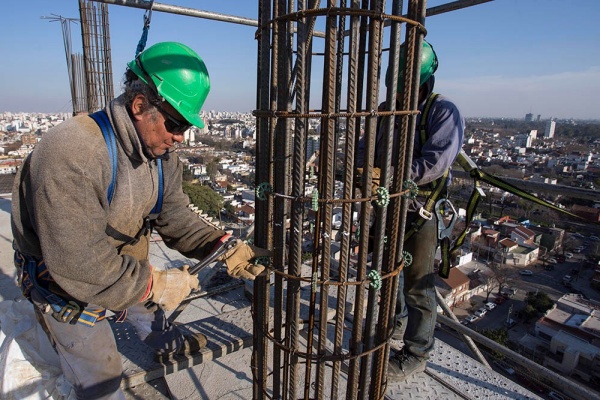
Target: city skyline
(498,59)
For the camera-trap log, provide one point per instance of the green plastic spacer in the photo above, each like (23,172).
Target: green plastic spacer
(263,260)
(412,187)
(375,279)
(262,190)
(383,197)
(315,200)
(408,258)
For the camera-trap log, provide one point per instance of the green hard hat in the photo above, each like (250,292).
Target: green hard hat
(429,64)
(178,74)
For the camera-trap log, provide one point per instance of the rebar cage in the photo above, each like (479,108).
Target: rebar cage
(323,316)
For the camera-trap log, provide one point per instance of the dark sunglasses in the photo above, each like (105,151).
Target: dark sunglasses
(172,124)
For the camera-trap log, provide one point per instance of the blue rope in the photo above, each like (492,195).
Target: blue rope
(142,43)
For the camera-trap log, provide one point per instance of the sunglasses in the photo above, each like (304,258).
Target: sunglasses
(172,124)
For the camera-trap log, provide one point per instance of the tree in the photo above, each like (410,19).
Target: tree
(499,336)
(537,304)
(503,276)
(490,283)
(212,169)
(204,198)
(187,174)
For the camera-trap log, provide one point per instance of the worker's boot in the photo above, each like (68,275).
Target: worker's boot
(191,343)
(403,364)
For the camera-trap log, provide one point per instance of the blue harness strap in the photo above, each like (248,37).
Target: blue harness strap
(111,143)
(108,133)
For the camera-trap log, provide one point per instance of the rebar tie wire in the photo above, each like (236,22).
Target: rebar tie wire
(381,198)
(374,280)
(345,11)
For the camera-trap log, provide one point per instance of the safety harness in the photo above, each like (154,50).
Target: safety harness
(111,143)
(433,190)
(443,209)
(35,274)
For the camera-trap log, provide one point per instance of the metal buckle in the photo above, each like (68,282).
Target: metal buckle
(425,214)
(443,230)
(67,312)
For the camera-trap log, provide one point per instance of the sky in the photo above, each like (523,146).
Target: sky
(504,58)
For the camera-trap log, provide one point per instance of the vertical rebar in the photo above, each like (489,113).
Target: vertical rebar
(262,225)
(309,333)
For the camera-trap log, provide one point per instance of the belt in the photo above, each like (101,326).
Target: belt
(71,311)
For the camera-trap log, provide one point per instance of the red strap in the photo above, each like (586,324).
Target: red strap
(149,288)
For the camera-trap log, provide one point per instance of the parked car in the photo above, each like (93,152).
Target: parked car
(470,318)
(509,292)
(500,299)
(509,323)
(526,272)
(569,255)
(489,306)
(481,312)
(594,238)
(553,260)
(561,258)
(549,267)
(567,278)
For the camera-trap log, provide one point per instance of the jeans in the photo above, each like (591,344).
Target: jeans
(416,304)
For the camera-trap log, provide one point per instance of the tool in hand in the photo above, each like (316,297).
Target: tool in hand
(229,244)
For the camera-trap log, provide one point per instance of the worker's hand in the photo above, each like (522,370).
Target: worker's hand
(171,286)
(239,258)
(376,175)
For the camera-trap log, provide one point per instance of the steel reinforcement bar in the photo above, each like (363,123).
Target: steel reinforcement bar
(331,293)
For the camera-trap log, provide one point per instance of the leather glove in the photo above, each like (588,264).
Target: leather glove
(171,286)
(376,175)
(238,260)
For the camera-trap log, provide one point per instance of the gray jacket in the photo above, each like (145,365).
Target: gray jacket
(60,210)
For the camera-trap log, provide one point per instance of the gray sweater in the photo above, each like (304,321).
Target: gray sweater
(60,210)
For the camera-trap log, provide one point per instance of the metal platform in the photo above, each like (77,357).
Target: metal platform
(450,374)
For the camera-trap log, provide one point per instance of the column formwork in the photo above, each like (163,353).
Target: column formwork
(324,314)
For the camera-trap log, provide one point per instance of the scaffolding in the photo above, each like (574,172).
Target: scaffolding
(96,61)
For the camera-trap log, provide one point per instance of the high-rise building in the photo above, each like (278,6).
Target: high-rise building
(549,132)
(528,117)
(312,145)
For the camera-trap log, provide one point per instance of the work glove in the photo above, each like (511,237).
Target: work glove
(171,286)
(238,260)
(376,175)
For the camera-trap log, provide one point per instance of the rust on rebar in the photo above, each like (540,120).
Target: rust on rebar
(325,317)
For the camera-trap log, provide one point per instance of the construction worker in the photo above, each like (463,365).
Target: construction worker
(437,142)
(81,251)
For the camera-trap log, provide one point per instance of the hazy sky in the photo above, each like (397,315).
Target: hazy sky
(504,58)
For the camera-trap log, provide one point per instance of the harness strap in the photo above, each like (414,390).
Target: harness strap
(436,187)
(72,312)
(110,138)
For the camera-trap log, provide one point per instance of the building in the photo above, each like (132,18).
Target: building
(549,132)
(567,338)
(455,289)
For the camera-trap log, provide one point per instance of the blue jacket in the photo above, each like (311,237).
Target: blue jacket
(431,159)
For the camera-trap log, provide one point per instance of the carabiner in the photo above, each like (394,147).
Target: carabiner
(444,231)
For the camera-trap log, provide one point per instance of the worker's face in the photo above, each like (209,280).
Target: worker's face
(160,127)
